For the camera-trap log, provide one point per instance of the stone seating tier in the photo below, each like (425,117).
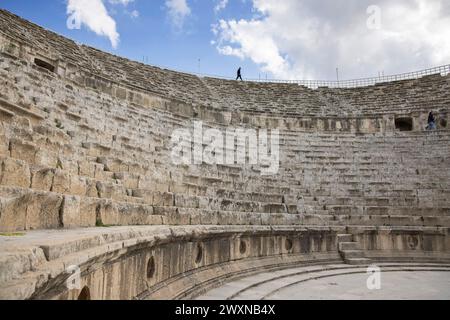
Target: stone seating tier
(276,99)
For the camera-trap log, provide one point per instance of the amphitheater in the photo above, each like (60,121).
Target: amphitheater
(88,187)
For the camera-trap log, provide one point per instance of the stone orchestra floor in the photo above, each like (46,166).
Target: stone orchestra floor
(340,282)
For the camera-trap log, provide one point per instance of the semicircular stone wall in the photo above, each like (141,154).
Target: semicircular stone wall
(86,142)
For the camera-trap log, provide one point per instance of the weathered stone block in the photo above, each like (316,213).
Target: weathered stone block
(111,191)
(87,169)
(186,201)
(70,212)
(107,213)
(105,190)
(91,188)
(4,142)
(99,171)
(145,183)
(88,211)
(145,195)
(176,219)
(130,214)
(215,218)
(112,165)
(130,181)
(13,212)
(14,173)
(46,158)
(78,185)
(61,182)
(43,179)
(42,210)
(121,93)
(25,151)
(163,199)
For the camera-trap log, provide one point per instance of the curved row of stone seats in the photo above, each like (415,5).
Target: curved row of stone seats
(170,198)
(321,191)
(295,140)
(407,95)
(85,119)
(255,98)
(285,99)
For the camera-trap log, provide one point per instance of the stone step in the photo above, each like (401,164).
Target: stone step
(6,114)
(343,246)
(358,261)
(32,115)
(350,254)
(344,238)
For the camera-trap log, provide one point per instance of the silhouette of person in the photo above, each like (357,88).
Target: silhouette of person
(431,122)
(239,75)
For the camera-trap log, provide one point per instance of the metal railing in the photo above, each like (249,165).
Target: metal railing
(363,82)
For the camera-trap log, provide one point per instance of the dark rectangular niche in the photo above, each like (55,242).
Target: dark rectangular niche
(44,64)
(404,124)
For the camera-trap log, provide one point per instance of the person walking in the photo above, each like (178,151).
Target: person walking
(239,75)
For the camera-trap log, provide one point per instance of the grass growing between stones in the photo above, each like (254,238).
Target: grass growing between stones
(99,224)
(17,234)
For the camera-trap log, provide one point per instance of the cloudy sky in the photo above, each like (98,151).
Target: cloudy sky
(283,39)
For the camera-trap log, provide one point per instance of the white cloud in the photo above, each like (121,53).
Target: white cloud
(93,14)
(133,14)
(221,4)
(123,2)
(178,11)
(308,39)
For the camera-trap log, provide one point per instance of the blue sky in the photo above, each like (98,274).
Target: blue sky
(151,35)
(285,39)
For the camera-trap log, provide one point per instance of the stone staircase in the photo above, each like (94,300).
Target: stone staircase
(351,251)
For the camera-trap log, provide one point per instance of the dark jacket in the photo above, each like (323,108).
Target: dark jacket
(431,118)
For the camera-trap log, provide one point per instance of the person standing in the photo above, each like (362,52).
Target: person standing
(431,121)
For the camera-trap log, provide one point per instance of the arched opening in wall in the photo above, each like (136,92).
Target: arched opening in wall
(289,245)
(404,124)
(443,123)
(151,268)
(243,247)
(44,64)
(199,254)
(85,294)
